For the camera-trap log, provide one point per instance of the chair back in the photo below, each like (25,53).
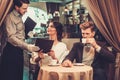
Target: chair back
(70,41)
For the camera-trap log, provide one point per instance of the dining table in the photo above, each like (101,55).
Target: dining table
(58,72)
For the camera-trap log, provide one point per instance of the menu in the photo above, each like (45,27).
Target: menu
(44,44)
(29,26)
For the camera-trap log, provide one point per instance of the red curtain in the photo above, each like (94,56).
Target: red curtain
(105,14)
(5,6)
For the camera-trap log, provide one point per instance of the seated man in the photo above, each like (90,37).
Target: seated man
(91,52)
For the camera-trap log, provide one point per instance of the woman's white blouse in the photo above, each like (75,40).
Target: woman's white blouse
(60,50)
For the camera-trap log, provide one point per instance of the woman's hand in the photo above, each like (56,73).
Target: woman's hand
(52,54)
(41,54)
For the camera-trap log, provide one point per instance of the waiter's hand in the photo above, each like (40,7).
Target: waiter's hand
(33,48)
(31,34)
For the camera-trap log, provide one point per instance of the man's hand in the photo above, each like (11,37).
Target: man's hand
(33,48)
(92,42)
(67,63)
(31,34)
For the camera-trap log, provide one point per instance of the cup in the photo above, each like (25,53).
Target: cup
(53,62)
(83,40)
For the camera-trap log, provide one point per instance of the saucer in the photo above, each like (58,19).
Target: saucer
(78,64)
(53,64)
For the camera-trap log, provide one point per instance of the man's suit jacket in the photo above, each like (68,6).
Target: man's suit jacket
(101,58)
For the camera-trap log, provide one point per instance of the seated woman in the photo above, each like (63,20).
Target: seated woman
(59,49)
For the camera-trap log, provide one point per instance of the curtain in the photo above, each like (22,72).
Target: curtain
(5,6)
(105,14)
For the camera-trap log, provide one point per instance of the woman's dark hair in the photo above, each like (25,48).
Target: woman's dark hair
(20,2)
(59,28)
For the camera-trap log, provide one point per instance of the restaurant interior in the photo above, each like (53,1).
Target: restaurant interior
(71,13)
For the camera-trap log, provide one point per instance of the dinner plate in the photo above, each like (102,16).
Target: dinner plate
(78,64)
(53,64)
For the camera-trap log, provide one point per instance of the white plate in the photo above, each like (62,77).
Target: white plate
(54,65)
(78,64)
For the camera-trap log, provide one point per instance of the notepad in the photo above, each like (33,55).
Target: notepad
(29,26)
(44,44)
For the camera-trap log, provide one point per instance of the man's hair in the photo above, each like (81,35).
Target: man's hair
(20,2)
(87,24)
